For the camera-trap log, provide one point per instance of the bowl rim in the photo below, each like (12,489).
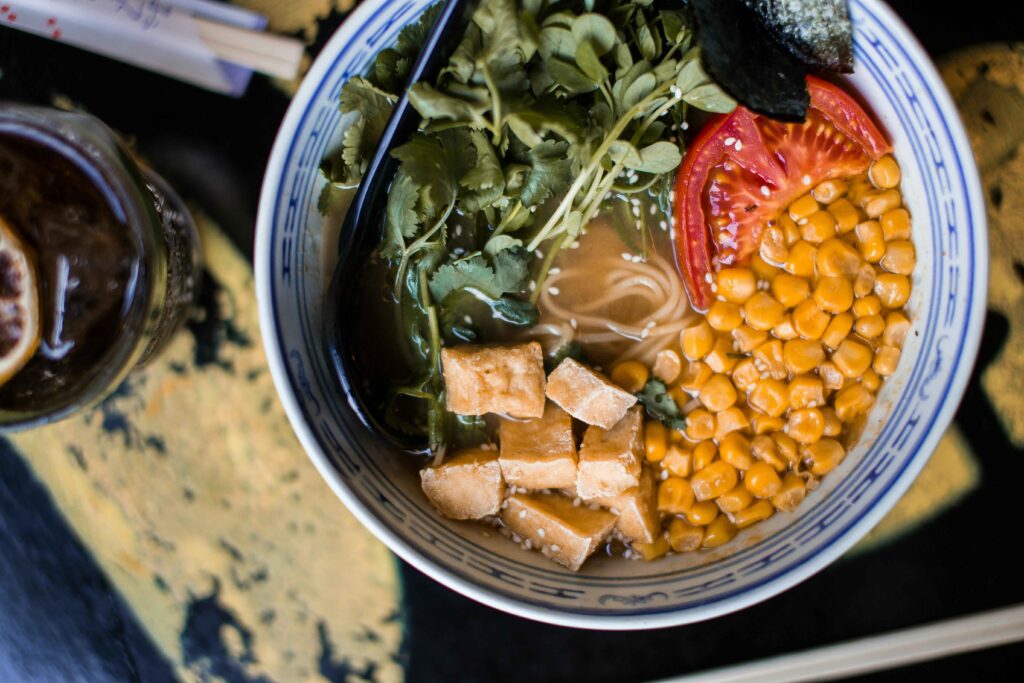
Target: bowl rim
(269,193)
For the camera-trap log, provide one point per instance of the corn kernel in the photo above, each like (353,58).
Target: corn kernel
(675,496)
(762,311)
(773,248)
(895,225)
(769,396)
(852,358)
(833,425)
(730,420)
(655,440)
(870,326)
(713,480)
(677,461)
(831,378)
(745,374)
(852,401)
(824,456)
(886,360)
(790,290)
(801,258)
(789,229)
(764,449)
(830,190)
(896,328)
(900,257)
(868,305)
(845,214)
(791,493)
(877,203)
(758,512)
(834,294)
(630,375)
(667,366)
(684,537)
(818,227)
(864,282)
(719,532)
(736,284)
(700,425)
(747,338)
(735,499)
(694,376)
(837,330)
(837,258)
(806,391)
(653,550)
(892,289)
(787,446)
(809,320)
(704,454)
(764,424)
(718,393)
(734,449)
(803,207)
(784,328)
(697,340)
(805,425)
(761,268)
(859,187)
(769,358)
(702,513)
(724,316)
(885,173)
(722,358)
(871,380)
(762,480)
(802,355)
(870,240)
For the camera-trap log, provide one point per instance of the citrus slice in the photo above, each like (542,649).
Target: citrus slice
(19,303)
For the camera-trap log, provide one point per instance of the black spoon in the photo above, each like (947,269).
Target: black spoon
(362,228)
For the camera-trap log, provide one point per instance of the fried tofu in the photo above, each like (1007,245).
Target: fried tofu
(587,395)
(539,453)
(610,460)
(467,486)
(566,533)
(495,379)
(637,509)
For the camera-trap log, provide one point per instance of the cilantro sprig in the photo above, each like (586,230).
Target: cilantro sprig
(544,109)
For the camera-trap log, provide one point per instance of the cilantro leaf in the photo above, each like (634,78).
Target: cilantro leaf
(401,219)
(373,107)
(550,172)
(655,399)
(507,273)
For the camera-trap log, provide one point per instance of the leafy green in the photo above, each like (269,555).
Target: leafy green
(506,273)
(656,401)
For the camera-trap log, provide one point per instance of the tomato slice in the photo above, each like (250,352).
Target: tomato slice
(745,168)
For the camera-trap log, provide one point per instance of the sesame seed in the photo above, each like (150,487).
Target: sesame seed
(764,190)
(654,209)
(553,291)
(555,548)
(739,145)
(458,251)
(533,285)
(636,211)
(540,532)
(539,253)
(575,245)
(458,230)
(627,256)
(516,538)
(650,324)
(729,141)
(663,225)
(634,201)
(554,271)
(522,514)
(707,277)
(467,319)
(576,502)
(572,322)
(528,544)
(646,333)
(806,180)
(685,125)
(664,474)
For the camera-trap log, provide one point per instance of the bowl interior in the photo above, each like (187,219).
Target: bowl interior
(295,254)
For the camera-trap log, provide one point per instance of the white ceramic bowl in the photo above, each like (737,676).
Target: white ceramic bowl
(293,264)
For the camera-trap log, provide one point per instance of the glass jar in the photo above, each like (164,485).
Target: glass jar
(116,254)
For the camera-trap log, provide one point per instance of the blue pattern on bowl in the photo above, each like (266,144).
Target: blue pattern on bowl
(912,411)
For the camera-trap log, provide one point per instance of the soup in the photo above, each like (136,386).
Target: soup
(610,333)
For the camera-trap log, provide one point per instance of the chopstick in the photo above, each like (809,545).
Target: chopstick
(890,650)
(263,52)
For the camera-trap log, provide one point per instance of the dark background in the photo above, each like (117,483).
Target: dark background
(60,619)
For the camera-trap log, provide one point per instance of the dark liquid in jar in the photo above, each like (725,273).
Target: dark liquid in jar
(88,261)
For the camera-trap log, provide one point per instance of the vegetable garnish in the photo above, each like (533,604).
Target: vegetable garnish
(744,168)
(660,405)
(541,113)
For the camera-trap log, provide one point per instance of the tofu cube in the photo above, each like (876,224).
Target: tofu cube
(539,453)
(637,509)
(567,534)
(610,460)
(495,379)
(467,486)
(588,395)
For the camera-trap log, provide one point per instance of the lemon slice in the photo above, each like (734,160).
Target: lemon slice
(19,303)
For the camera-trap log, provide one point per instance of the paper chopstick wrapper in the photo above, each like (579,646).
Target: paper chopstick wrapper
(211,45)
